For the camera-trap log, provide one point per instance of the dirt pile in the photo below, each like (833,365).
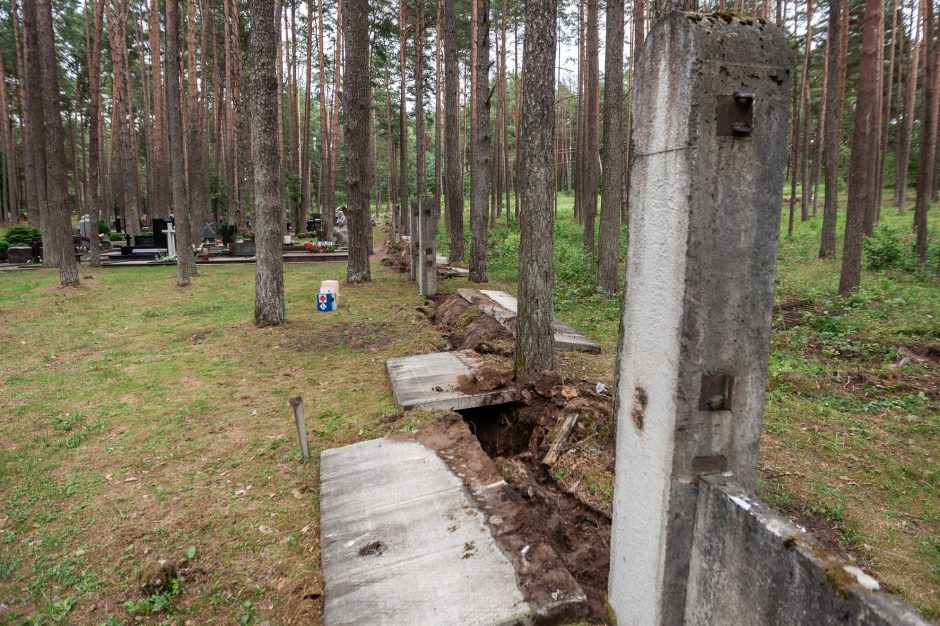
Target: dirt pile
(559,509)
(468,328)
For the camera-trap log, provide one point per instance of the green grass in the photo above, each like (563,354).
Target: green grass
(140,420)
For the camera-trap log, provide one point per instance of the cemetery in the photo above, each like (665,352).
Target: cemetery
(313,412)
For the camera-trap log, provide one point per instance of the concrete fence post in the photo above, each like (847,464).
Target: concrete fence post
(414,240)
(427,253)
(709,142)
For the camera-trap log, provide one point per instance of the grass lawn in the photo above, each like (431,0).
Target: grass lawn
(143,422)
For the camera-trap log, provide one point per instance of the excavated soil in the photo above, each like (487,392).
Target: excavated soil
(541,514)
(467,328)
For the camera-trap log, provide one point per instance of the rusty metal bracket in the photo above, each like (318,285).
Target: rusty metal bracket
(735,115)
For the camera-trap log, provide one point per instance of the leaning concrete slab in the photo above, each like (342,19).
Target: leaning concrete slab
(403,544)
(504,308)
(431,381)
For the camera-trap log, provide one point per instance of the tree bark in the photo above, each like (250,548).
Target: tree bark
(534,334)
(356,101)
(34,155)
(421,181)
(864,150)
(481,144)
(10,178)
(36,133)
(437,104)
(299,225)
(56,184)
(324,197)
(453,181)
(159,204)
(612,192)
(185,264)
(94,111)
(926,165)
(588,186)
(906,127)
(404,210)
(835,92)
(807,109)
(269,270)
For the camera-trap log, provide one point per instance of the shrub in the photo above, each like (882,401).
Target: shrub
(3,249)
(884,249)
(21,236)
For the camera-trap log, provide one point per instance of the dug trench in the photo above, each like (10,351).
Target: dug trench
(550,528)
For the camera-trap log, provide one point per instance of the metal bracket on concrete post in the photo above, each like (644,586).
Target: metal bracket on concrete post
(710,111)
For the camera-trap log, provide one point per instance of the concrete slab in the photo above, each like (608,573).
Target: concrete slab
(402,543)
(504,307)
(430,381)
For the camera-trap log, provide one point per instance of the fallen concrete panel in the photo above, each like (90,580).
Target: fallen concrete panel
(504,308)
(430,381)
(402,543)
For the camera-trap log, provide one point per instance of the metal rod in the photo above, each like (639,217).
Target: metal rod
(298,405)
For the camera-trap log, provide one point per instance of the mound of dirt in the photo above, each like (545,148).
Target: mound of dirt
(468,328)
(546,507)
(541,553)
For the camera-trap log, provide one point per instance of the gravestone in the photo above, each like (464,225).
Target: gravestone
(19,255)
(710,111)
(209,229)
(159,227)
(228,234)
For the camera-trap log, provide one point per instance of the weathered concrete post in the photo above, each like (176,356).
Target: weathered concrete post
(427,252)
(415,238)
(709,138)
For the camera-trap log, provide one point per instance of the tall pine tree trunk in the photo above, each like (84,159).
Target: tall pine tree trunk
(94,113)
(185,264)
(534,334)
(928,144)
(305,164)
(588,186)
(421,181)
(835,93)
(612,193)
(906,128)
(403,209)
(481,144)
(864,150)
(453,180)
(269,270)
(356,101)
(56,184)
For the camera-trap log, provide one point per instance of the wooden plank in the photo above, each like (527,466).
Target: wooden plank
(555,451)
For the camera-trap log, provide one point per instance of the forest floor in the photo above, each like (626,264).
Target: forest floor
(141,422)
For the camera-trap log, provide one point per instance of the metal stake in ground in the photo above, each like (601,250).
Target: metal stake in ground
(710,111)
(298,405)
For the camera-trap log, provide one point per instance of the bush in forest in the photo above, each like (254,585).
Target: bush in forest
(16,236)
(20,236)
(884,249)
